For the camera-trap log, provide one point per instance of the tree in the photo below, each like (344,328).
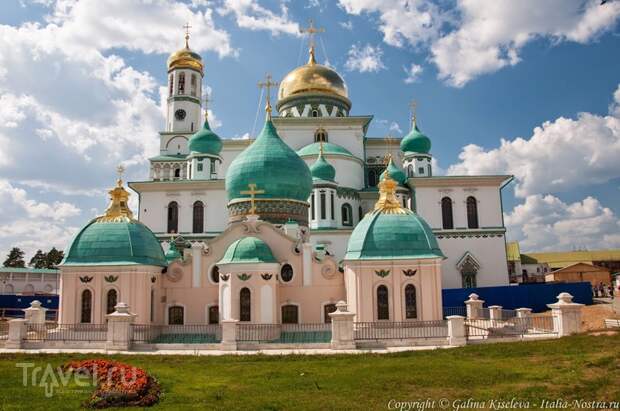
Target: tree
(15,258)
(39,260)
(54,257)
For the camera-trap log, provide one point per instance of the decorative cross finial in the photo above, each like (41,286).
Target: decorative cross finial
(268,84)
(207,99)
(120,170)
(388,156)
(311,31)
(187,27)
(321,148)
(252,192)
(413,105)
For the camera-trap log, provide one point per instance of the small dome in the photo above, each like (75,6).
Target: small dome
(415,141)
(391,232)
(322,170)
(205,141)
(273,166)
(115,238)
(328,148)
(248,250)
(185,58)
(395,173)
(313,78)
(173,252)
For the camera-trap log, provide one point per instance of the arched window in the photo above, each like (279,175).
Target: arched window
(181,86)
(410,172)
(245,305)
(110,301)
(28,289)
(446,213)
(198,225)
(347,214)
(87,306)
(173,217)
(193,85)
(331,206)
(372,178)
(175,315)
(170,84)
(312,207)
(383,304)
(315,113)
(215,274)
(411,307)
(320,135)
(468,273)
(327,309)
(177,172)
(360,213)
(286,273)
(214,314)
(290,314)
(9,289)
(472,212)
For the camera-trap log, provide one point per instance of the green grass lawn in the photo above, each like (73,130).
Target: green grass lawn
(580,367)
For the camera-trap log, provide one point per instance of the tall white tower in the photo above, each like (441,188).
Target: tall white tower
(185,74)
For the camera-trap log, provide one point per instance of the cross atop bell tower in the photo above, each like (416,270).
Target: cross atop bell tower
(311,31)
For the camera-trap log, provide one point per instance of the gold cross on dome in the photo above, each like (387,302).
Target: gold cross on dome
(187,27)
(206,100)
(311,31)
(268,83)
(252,192)
(389,140)
(414,106)
(120,170)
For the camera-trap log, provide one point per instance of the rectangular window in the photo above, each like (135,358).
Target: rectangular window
(323,211)
(199,167)
(181,83)
(421,170)
(332,209)
(312,212)
(212,166)
(193,85)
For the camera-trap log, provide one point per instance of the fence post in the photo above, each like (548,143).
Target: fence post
(120,332)
(523,312)
(343,337)
(566,315)
(17,332)
(229,335)
(474,306)
(456,330)
(35,314)
(495,312)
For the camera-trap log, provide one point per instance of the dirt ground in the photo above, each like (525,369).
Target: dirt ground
(593,316)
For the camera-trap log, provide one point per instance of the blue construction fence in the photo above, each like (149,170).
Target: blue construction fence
(12,304)
(510,297)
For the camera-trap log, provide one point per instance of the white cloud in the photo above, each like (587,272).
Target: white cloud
(560,155)
(413,73)
(31,235)
(364,59)
(347,25)
(490,35)
(249,14)
(545,223)
(58,211)
(395,127)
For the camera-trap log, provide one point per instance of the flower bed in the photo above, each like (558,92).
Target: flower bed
(118,384)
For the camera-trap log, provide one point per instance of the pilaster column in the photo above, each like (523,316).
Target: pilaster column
(456,330)
(474,306)
(524,312)
(120,331)
(196,263)
(566,315)
(343,337)
(17,333)
(495,312)
(229,335)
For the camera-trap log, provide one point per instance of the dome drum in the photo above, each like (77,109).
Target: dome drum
(299,101)
(273,210)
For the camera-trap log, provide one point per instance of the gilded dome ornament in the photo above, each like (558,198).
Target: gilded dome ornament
(185,57)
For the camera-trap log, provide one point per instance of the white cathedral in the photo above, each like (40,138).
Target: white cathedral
(186,197)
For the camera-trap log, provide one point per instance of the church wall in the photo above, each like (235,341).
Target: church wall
(335,241)
(348,136)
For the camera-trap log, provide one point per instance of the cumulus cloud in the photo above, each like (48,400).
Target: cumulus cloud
(58,211)
(364,59)
(249,14)
(544,222)
(413,73)
(560,155)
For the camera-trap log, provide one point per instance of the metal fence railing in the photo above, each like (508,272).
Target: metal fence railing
(284,333)
(384,330)
(447,311)
(10,313)
(66,332)
(4,330)
(177,334)
(512,327)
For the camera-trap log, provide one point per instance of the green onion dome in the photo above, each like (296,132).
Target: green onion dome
(205,141)
(322,170)
(248,250)
(115,238)
(173,252)
(391,232)
(328,148)
(272,166)
(415,141)
(395,173)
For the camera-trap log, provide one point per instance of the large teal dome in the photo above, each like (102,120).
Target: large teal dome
(273,166)
(205,141)
(415,142)
(392,232)
(248,250)
(328,148)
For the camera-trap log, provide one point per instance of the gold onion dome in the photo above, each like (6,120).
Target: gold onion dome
(313,78)
(185,58)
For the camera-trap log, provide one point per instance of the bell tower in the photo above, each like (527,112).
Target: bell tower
(185,74)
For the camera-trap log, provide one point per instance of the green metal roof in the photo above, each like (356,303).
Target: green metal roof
(328,148)
(205,141)
(273,166)
(322,170)
(29,270)
(396,173)
(415,141)
(115,243)
(171,157)
(248,250)
(383,236)
(173,252)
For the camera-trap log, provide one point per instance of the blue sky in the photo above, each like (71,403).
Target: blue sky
(80,92)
